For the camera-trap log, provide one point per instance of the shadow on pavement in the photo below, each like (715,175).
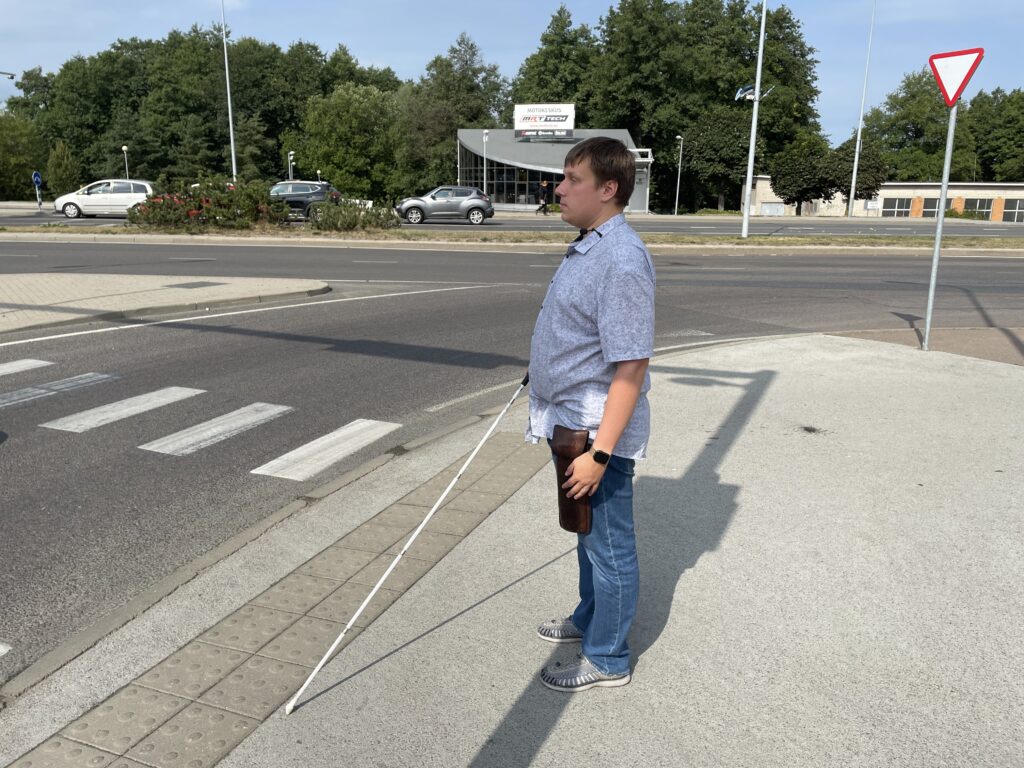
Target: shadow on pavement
(677,521)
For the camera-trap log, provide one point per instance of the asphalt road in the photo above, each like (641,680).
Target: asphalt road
(90,520)
(789,226)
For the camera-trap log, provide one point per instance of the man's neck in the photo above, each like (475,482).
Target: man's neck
(603,217)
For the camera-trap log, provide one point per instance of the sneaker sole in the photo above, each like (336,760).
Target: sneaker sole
(615,682)
(558,640)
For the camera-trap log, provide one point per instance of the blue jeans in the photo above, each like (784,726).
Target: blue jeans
(609,571)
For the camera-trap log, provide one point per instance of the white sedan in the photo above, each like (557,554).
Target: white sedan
(109,197)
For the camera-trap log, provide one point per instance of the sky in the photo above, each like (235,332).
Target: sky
(406,34)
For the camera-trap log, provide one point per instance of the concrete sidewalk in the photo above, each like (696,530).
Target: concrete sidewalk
(49,299)
(831,552)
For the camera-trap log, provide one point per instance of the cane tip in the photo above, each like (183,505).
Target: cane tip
(289,707)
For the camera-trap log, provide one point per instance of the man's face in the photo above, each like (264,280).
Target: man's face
(582,198)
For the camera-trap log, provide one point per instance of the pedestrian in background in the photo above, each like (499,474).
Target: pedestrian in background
(588,372)
(542,198)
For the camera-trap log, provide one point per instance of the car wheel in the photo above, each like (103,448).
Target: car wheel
(475,216)
(414,215)
(315,213)
(71,210)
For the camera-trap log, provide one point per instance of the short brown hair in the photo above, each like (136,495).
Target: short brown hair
(610,161)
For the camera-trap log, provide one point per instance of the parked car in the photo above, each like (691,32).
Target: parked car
(109,197)
(304,196)
(447,203)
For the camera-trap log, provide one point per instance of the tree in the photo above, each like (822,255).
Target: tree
(62,173)
(997,122)
(558,69)
(350,136)
(21,152)
(872,172)
(800,171)
(910,128)
(715,151)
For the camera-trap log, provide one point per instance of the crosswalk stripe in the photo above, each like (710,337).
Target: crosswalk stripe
(17,366)
(213,431)
(132,406)
(316,456)
(26,394)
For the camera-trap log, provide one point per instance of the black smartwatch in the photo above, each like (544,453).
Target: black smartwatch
(600,457)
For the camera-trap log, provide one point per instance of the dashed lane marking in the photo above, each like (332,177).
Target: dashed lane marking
(215,430)
(52,388)
(316,456)
(471,395)
(123,409)
(17,366)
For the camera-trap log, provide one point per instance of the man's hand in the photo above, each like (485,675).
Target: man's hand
(584,476)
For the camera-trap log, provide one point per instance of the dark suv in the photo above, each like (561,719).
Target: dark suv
(303,196)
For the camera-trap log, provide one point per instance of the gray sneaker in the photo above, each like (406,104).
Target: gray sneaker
(559,631)
(579,675)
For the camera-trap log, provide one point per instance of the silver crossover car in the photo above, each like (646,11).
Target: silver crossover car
(447,203)
(110,197)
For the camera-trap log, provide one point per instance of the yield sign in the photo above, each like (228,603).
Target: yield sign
(953,71)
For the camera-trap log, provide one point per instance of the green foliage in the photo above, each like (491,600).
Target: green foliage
(997,122)
(910,128)
(210,205)
(21,152)
(558,70)
(62,174)
(952,213)
(715,151)
(800,172)
(348,216)
(872,172)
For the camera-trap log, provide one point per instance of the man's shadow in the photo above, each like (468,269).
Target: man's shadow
(677,521)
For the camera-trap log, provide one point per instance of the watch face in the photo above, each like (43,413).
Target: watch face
(601,457)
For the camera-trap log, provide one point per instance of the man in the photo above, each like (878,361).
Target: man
(588,370)
(542,198)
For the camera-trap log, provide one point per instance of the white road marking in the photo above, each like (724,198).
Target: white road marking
(684,332)
(471,395)
(52,388)
(694,227)
(316,456)
(213,431)
(373,261)
(123,409)
(189,258)
(18,366)
(997,229)
(4,648)
(18,256)
(136,326)
(545,266)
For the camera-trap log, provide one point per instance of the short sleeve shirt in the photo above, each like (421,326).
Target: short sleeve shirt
(598,311)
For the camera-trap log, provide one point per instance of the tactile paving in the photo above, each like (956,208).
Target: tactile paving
(404,516)
(60,752)
(125,718)
(342,604)
(193,669)
(406,573)
(257,688)
(475,501)
(458,522)
(338,563)
(429,546)
(297,593)
(306,641)
(249,628)
(372,537)
(197,737)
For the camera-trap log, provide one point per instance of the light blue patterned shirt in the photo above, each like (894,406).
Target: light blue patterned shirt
(598,311)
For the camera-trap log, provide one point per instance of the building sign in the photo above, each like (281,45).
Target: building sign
(544,121)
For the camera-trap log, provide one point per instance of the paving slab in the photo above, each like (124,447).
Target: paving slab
(124,719)
(198,737)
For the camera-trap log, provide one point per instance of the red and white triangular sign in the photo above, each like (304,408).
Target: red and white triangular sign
(953,71)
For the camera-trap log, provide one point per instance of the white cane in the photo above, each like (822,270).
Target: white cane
(294,700)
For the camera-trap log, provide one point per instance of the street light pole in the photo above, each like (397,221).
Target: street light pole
(227,82)
(679,172)
(291,157)
(753,125)
(860,122)
(486,132)
(124,149)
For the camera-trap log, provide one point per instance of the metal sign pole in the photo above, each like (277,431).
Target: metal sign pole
(940,216)
(745,229)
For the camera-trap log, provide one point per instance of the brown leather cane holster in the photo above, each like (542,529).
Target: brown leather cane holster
(566,445)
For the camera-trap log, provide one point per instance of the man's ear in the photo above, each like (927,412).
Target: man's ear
(609,189)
